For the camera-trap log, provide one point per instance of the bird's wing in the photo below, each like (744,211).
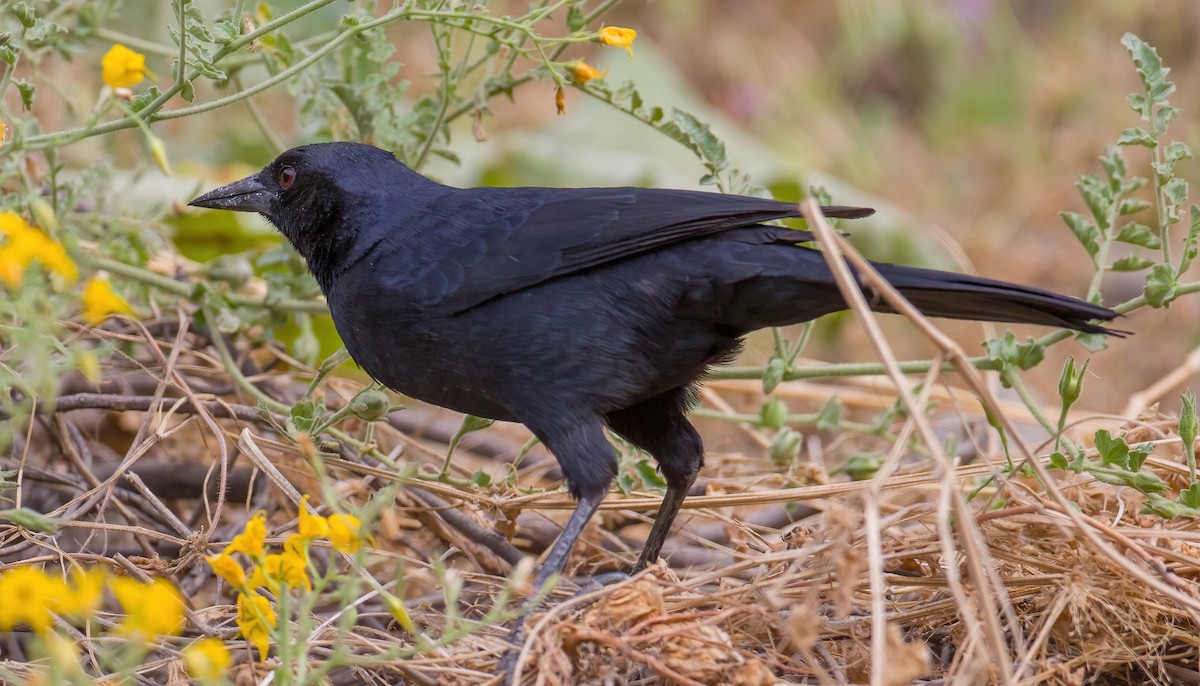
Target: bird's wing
(503,240)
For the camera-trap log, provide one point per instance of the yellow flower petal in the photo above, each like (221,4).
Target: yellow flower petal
(151,609)
(256,619)
(228,569)
(251,541)
(23,245)
(122,67)
(288,568)
(345,532)
(207,660)
(100,301)
(311,526)
(84,594)
(27,596)
(582,72)
(620,37)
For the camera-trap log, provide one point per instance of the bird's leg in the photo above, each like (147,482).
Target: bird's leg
(554,564)
(672,501)
(590,465)
(556,560)
(659,427)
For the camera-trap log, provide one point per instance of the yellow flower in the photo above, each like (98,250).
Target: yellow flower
(615,35)
(84,595)
(151,609)
(3,131)
(228,569)
(289,568)
(345,532)
(24,245)
(27,596)
(100,301)
(251,541)
(311,526)
(256,619)
(122,67)
(582,72)
(560,101)
(207,660)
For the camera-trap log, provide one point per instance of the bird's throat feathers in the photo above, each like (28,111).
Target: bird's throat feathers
(317,227)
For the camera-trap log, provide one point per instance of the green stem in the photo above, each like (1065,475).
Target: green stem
(235,372)
(139,44)
(151,111)
(443,92)
(186,290)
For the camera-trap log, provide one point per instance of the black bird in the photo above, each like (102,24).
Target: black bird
(572,309)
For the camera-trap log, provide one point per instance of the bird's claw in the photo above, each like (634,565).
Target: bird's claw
(595,583)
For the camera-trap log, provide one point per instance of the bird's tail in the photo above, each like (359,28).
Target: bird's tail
(961,296)
(755,283)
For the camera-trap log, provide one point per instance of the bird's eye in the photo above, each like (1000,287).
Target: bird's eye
(287,176)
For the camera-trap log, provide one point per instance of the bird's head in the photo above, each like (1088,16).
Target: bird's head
(319,196)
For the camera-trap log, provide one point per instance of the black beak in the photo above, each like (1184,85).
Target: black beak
(246,195)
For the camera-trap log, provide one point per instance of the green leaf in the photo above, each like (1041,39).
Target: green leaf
(1010,354)
(1059,461)
(576,19)
(1176,151)
(1187,432)
(830,416)
(1137,136)
(687,129)
(649,476)
(139,103)
(1113,451)
(23,11)
(27,91)
(1097,195)
(1138,455)
(224,31)
(1139,234)
(1084,230)
(1190,496)
(1133,206)
(625,483)
(1139,104)
(1092,342)
(1148,64)
(481,479)
(1176,191)
(1191,244)
(1161,286)
(1113,162)
(472,423)
(1158,505)
(1131,263)
(1187,418)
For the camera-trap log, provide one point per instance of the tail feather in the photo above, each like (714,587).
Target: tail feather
(961,296)
(757,280)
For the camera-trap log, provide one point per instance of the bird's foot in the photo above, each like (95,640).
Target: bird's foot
(589,584)
(508,662)
(507,666)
